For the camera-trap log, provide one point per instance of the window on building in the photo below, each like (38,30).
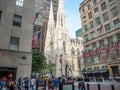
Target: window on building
(103,6)
(102,66)
(94,45)
(17,20)
(118,37)
(101,43)
(88,6)
(86,37)
(20,3)
(97,67)
(91,25)
(90,15)
(85,28)
(94,67)
(89,60)
(98,31)
(107,28)
(73,66)
(36,27)
(95,2)
(78,51)
(79,64)
(0,15)
(64,47)
(110,40)
(96,10)
(83,17)
(14,43)
(96,59)
(98,21)
(114,11)
(72,51)
(111,1)
(92,35)
(116,23)
(61,21)
(105,17)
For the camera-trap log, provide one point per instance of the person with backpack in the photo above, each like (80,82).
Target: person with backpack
(56,83)
(26,82)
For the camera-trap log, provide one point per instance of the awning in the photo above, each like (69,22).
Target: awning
(95,71)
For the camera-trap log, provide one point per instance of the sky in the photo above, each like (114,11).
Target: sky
(72,15)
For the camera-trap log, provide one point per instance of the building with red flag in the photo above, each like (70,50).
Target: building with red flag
(101,32)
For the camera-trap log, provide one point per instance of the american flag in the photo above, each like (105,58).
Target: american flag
(101,29)
(117,46)
(35,17)
(91,54)
(84,54)
(98,51)
(35,39)
(107,48)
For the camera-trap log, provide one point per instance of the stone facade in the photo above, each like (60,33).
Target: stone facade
(101,27)
(16,25)
(57,44)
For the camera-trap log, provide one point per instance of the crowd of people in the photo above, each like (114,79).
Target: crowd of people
(26,83)
(22,84)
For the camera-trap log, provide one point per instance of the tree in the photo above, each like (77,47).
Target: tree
(51,68)
(38,62)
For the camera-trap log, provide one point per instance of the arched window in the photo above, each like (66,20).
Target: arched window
(79,64)
(78,52)
(73,67)
(72,51)
(64,47)
(61,21)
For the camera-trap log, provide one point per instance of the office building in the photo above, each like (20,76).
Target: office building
(101,36)
(40,25)
(78,33)
(16,27)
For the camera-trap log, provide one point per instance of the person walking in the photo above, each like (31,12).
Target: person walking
(56,83)
(4,87)
(33,83)
(1,83)
(20,83)
(26,82)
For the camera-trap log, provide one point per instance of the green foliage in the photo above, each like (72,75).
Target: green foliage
(38,62)
(50,68)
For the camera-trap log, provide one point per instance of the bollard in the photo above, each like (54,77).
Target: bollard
(112,87)
(88,87)
(99,88)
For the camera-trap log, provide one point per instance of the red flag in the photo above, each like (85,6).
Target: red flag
(84,54)
(101,29)
(117,46)
(35,17)
(91,53)
(107,48)
(98,51)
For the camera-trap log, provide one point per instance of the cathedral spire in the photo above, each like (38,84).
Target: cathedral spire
(51,17)
(60,6)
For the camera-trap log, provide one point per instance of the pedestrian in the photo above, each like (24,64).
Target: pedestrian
(33,83)
(23,83)
(26,82)
(12,86)
(1,83)
(56,83)
(20,83)
(5,87)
